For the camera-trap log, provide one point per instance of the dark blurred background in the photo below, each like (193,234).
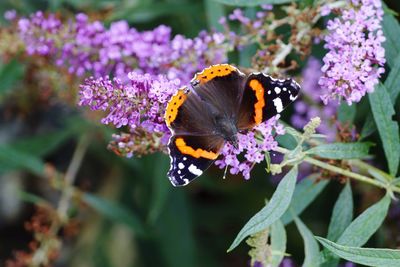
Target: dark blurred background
(191,226)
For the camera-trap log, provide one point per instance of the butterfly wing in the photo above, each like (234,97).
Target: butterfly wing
(220,87)
(264,97)
(191,156)
(193,145)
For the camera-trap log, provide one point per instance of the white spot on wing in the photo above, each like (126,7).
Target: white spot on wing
(284,89)
(184,158)
(277,90)
(181,165)
(269,92)
(193,169)
(278,104)
(293,98)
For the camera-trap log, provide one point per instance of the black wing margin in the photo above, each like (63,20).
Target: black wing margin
(265,97)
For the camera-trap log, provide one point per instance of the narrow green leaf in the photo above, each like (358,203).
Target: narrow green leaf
(392,82)
(115,212)
(175,233)
(11,159)
(254,2)
(161,188)
(43,144)
(149,12)
(311,248)
(366,224)
(214,11)
(304,194)
(341,218)
(10,74)
(275,208)
(342,214)
(32,198)
(391,30)
(341,150)
(388,129)
(278,243)
(364,256)
(346,113)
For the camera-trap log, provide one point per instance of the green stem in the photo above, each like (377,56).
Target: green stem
(344,172)
(347,173)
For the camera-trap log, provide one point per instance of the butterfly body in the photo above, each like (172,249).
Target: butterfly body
(220,102)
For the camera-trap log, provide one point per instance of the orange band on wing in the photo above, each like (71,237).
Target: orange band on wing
(257,87)
(185,149)
(173,105)
(210,73)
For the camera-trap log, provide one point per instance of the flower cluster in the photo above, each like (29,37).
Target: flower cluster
(253,145)
(38,33)
(355,58)
(89,47)
(138,104)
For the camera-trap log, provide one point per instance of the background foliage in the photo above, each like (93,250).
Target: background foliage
(130,215)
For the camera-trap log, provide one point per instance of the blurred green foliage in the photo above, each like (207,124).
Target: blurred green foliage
(135,217)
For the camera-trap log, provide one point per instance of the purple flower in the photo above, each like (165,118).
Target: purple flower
(353,64)
(252,145)
(32,32)
(139,103)
(10,14)
(85,46)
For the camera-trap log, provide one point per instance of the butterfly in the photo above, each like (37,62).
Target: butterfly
(220,102)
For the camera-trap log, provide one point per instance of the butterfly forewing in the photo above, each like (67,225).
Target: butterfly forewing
(263,98)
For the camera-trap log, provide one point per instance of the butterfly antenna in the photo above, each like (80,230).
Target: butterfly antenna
(226,169)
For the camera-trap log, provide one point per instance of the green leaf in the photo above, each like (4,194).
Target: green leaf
(304,194)
(311,248)
(392,82)
(10,74)
(364,256)
(342,214)
(175,232)
(149,12)
(43,144)
(275,208)
(341,150)
(254,2)
(366,224)
(246,55)
(341,218)
(369,127)
(32,198)
(12,159)
(388,129)
(278,242)
(161,188)
(115,212)
(214,11)
(391,30)
(346,113)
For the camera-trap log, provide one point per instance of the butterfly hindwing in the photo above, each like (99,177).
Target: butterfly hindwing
(191,156)
(265,97)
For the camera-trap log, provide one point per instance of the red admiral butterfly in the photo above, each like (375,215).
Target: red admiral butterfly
(221,102)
